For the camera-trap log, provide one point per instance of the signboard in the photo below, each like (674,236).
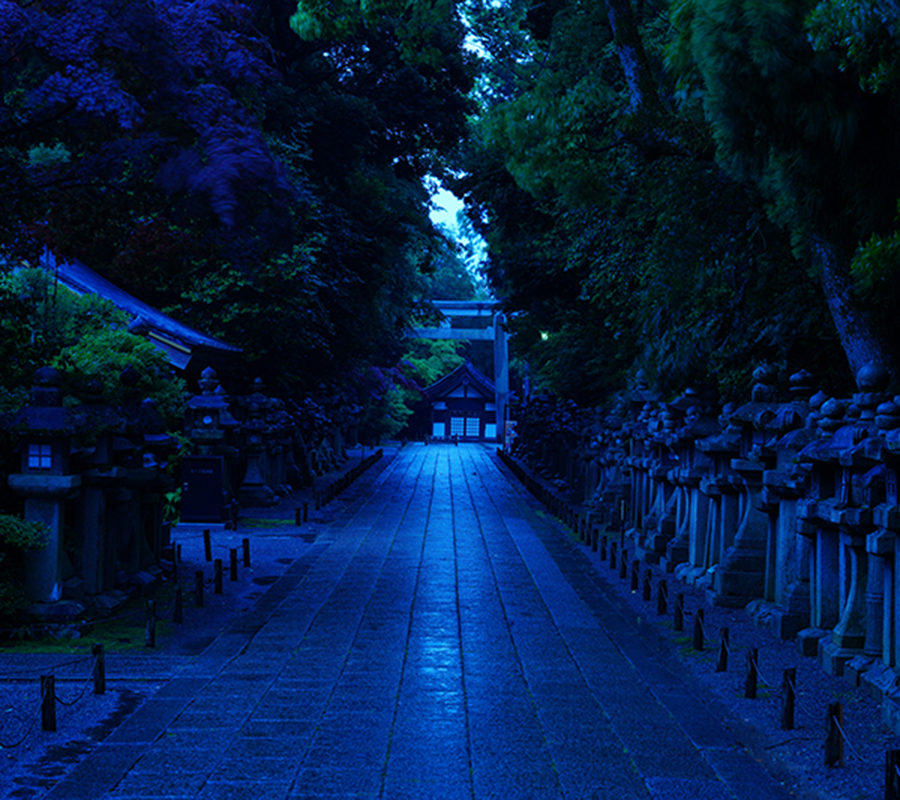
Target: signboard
(201,488)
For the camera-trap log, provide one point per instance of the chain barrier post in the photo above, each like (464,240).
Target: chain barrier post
(788,699)
(198,588)
(298,516)
(245,543)
(698,630)
(98,671)
(217,585)
(722,657)
(612,555)
(150,632)
(662,604)
(623,564)
(635,574)
(207,545)
(603,548)
(892,775)
(834,737)
(648,588)
(178,613)
(233,565)
(752,677)
(48,703)
(678,621)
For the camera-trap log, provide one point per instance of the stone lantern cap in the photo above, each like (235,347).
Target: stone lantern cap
(830,448)
(868,453)
(892,442)
(44,417)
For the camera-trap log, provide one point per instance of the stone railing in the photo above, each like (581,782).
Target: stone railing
(788,507)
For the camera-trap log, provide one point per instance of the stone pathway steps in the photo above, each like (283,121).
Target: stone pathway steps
(442,639)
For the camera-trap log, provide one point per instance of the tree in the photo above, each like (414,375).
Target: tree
(806,115)
(613,228)
(209,160)
(111,105)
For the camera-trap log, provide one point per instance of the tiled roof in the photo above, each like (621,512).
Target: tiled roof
(175,338)
(442,387)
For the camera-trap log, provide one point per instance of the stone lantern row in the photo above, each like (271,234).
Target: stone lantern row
(265,448)
(786,506)
(95,476)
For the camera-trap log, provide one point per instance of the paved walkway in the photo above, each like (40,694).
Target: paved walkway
(441,640)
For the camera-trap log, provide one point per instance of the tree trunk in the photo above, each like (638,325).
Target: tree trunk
(642,90)
(854,326)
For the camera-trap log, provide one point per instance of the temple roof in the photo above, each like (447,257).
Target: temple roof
(464,373)
(179,341)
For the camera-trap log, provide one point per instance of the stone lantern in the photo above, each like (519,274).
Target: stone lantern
(205,475)
(44,481)
(254,490)
(207,419)
(686,553)
(719,486)
(740,576)
(785,605)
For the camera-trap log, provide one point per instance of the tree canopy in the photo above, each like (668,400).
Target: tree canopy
(233,167)
(680,187)
(685,187)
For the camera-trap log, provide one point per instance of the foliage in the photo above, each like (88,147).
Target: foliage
(448,276)
(105,355)
(56,316)
(19,358)
(616,238)
(865,34)
(15,532)
(16,536)
(428,360)
(801,106)
(380,397)
(384,417)
(210,161)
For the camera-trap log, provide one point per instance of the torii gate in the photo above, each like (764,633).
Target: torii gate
(495,333)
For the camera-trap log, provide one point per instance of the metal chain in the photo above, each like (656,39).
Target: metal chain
(762,677)
(855,751)
(87,682)
(30,727)
(797,697)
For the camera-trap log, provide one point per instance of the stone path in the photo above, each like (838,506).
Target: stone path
(441,640)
